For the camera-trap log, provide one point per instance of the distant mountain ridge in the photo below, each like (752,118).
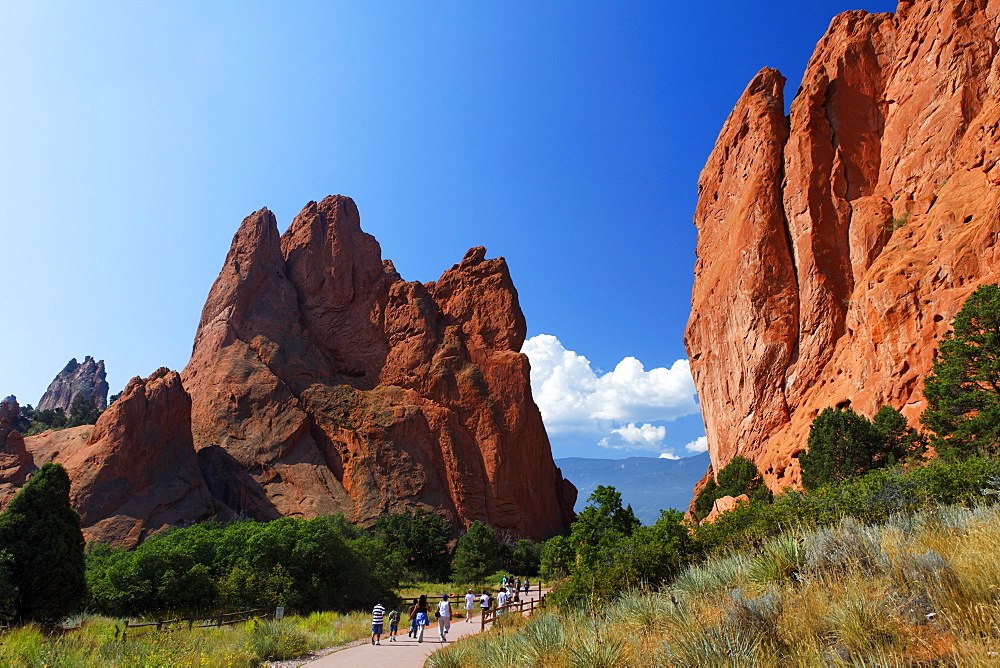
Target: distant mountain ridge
(649,484)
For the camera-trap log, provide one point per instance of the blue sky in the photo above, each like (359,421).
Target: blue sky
(565,136)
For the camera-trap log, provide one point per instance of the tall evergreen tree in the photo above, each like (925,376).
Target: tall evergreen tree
(421,538)
(601,526)
(41,533)
(478,554)
(963,388)
(842,445)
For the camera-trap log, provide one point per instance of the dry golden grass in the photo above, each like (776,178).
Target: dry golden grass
(920,590)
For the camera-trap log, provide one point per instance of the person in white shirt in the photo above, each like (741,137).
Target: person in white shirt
(470,603)
(444,617)
(501,600)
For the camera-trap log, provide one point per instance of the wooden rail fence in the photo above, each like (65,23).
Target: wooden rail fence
(222,619)
(492,614)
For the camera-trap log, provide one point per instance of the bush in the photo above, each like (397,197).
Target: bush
(873,497)
(421,538)
(740,476)
(274,641)
(479,554)
(557,558)
(319,564)
(41,533)
(844,445)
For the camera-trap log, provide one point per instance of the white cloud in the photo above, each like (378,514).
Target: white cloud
(576,400)
(668,455)
(699,444)
(643,435)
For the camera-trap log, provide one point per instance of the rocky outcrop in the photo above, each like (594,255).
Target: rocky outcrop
(134,472)
(322,382)
(16,463)
(835,245)
(87,378)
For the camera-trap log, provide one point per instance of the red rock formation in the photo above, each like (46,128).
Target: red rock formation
(322,382)
(135,472)
(16,463)
(835,247)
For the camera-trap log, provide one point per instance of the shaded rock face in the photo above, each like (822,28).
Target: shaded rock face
(87,378)
(835,245)
(16,463)
(136,471)
(321,382)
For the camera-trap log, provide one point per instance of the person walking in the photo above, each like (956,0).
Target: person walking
(484,601)
(378,614)
(444,618)
(394,623)
(413,620)
(501,601)
(527,585)
(420,613)
(470,603)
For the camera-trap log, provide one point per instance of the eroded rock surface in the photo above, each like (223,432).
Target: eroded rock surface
(322,382)
(16,463)
(836,245)
(136,471)
(87,378)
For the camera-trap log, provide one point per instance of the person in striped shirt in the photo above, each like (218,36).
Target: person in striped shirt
(378,615)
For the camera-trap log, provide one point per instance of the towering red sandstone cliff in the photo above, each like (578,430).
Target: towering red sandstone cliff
(322,382)
(835,245)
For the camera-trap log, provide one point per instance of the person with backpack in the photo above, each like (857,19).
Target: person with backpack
(393,623)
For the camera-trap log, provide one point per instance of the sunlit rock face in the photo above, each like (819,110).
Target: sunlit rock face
(836,244)
(322,382)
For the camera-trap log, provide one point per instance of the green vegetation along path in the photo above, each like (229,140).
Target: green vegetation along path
(406,652)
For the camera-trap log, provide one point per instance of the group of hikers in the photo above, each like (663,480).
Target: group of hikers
(507,593)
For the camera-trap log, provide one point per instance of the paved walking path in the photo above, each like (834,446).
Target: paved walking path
(406,652)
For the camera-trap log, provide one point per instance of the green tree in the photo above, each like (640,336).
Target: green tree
(655,554)
(601,526)
(705,501)
(8,588)
(526,558)
(478,554)
(421,538)
(898,439)
(739,476)
(842,445)
(963,388)
(83,410)
(25,417)
(558,558)
(41,533)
